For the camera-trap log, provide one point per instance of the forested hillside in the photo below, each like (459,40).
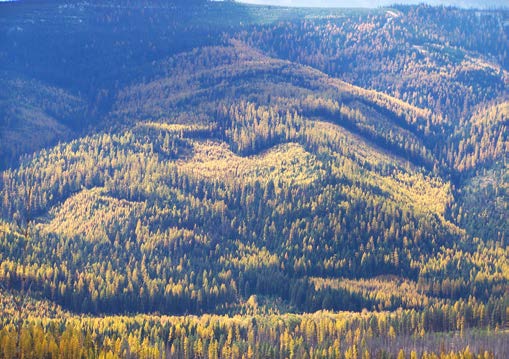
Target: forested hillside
(211,179)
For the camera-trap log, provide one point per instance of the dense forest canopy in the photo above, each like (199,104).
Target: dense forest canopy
(213,179)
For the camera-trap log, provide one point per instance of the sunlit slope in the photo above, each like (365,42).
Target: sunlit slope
(219,173)
(301,192)
(105,46)
(212,179)
(201,86)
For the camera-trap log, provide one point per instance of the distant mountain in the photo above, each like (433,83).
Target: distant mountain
(491,4)
(190,181)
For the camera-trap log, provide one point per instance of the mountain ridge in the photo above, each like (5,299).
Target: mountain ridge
(218,173)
